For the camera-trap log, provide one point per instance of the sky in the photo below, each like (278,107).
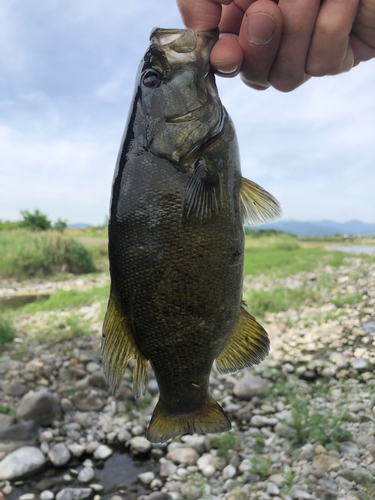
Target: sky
(67,74)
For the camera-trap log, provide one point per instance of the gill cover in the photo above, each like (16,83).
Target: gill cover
(182,110)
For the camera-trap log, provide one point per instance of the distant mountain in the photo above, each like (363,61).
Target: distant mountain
(79,224)
(321,227)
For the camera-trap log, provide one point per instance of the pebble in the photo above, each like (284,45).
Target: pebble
(102,452)
(59,454)
(187,456)
(74,494)
(47,495)
(146,477)
(86,474)
(140,444)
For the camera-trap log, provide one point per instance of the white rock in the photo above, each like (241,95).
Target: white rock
(59,455)
(208,471)
(123,435)
(27,496)
(272,489)
(74,494)
(146,477)
(140,444)
(183,456)
(76,449)
(86,474)
(20,462)
(47,495)
(102,452)
(229,472)
(204,460)
(167,468)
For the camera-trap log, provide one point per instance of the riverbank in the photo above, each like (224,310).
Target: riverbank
(303,421)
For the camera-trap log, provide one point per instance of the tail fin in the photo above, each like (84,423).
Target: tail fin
(209,418)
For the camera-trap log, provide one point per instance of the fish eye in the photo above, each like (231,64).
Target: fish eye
(151,79)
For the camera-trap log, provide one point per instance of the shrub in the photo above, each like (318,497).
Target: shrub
(36,221)
(7,330)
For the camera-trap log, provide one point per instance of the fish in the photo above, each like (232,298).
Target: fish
(176,240)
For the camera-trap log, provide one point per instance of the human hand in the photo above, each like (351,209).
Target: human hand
(282,44)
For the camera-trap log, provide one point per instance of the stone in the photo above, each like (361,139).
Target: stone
(6,420)
(66,405)
(18,435)
(76,449)
(47,495)
(187,456)
(86,474)
(349,448)
(191,491)
(159,495)
(272,489)
(16,390)
(123,435)
(356,407)
(195,441)
(359,476)
(102,452)
(59,455)
(229,472)
(299,494)
(360,364)
(326,463)
(307,452)
(140,444)
(167,467)
(146,477)
(73,494)
(261,421)
(88,402)
(42,406)
(285,431)
(250,386)
(21,463)
(208,470)
(339,360)
(27,496)
(328,483)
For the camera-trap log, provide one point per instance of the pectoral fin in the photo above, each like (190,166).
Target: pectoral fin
(247,345)
(257,205)
(203,193)
(118,347)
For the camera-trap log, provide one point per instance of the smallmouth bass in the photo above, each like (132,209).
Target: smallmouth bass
(176,240)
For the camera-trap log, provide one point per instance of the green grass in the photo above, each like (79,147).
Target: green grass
(7,330)
(58,328)
(276,300)
(26,254)
(7,410)
(64,299)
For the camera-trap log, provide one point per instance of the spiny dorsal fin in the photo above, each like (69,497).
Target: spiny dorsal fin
(209,418)
(247,345)
(118,347)
(203,196)
(257,205)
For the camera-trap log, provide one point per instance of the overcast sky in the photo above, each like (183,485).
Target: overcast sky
(67,70)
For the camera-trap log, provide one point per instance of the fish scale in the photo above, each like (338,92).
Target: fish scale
(176,241)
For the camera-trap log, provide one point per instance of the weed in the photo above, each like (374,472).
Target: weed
(26,254)
(62,328)
(195,482)
(223,443)
(260,441)
(7,330)
(261,466)
(7,410)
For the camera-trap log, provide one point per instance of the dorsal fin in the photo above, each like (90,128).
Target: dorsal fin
(257,205)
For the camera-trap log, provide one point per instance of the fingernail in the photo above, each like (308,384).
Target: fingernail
(260,28)
(226,69)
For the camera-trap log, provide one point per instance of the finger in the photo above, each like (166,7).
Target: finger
(364,24)
(232,16)
(201,14)
(361,51)
(288,71)
(226,56)
(259,39)
(330,52)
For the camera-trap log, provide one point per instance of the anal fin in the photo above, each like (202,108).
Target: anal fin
(208,419)
(118,347)
(258,206)
(247,345)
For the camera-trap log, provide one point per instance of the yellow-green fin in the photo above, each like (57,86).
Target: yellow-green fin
(247,345)
(118,347)
(257,205)
(209,418)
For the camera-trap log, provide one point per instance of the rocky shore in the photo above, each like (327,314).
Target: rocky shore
(303,421)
